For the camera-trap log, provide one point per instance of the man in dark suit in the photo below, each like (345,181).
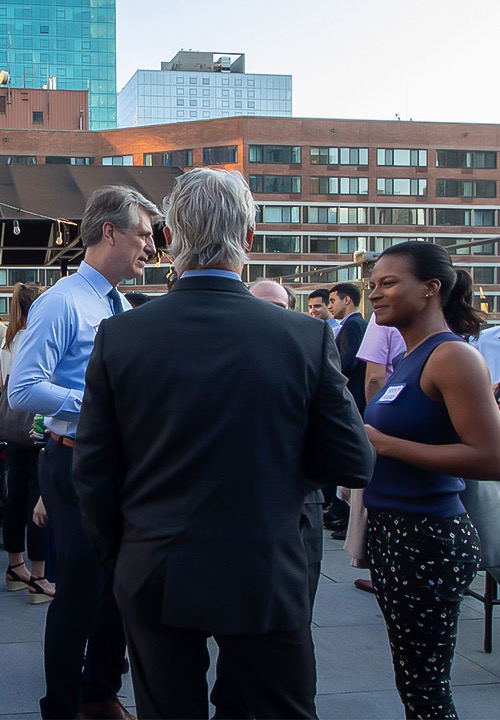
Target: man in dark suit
(344,299)
(199,403)
(344,306)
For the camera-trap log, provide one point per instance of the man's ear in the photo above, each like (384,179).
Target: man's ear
(249,238)
(168,236)
(108,233)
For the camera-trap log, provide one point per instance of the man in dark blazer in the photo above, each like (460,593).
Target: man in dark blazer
(199,403)
(344,306)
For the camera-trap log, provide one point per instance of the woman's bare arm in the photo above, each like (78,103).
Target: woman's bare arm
(457,374)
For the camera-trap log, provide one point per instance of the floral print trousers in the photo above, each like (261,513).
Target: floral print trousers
(420,568)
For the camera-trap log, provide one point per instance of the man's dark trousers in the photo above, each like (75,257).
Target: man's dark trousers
(273,672)
(84,607)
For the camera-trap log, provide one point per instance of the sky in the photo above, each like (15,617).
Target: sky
(434,60)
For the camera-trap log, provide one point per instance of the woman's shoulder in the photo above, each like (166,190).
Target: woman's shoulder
(456,358)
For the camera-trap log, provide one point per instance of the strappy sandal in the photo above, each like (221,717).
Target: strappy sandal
(38,594)
(14,581)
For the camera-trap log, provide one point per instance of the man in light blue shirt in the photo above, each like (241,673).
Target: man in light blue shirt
(48,377)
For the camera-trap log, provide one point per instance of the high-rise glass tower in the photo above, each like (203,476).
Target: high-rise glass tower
(63,44)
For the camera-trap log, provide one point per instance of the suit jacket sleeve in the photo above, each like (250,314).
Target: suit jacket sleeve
(337,449)
(349,339)
(97,464)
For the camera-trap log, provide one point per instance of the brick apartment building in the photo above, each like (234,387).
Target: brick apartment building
(325,188)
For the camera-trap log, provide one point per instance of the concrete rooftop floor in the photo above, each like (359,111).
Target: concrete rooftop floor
(355,679)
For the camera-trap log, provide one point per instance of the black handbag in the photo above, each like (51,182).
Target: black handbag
(14,426)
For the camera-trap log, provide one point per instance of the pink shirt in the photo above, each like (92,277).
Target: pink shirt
(381,345)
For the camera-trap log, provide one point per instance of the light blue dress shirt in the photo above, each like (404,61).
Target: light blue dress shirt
(488,344)
(48,373)
(211,272)
(334,324)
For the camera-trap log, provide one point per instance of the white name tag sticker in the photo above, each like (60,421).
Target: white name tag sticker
(391,393)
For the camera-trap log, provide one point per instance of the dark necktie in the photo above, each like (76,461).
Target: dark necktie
(116,301)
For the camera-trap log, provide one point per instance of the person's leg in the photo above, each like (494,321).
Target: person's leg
(101,678)
(419,580)
(79,580)
(276,672)
(168,664)
(16,507)
(36,536)
(312,536)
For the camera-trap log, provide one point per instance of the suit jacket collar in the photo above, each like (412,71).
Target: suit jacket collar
(208,282)
(347,317)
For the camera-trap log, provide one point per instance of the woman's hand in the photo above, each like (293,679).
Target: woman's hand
(40,517)
(376,438)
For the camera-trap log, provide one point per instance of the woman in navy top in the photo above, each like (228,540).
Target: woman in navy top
(434,422)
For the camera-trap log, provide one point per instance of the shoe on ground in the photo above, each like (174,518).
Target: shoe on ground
(110,709)
(41,591)
(339,534)
(337,525)
(365,585)
(14,581)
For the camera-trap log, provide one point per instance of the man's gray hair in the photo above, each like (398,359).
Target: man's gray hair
(209,214)
(117,204)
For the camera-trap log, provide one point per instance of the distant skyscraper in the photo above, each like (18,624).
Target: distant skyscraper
(194,86)
(63,44)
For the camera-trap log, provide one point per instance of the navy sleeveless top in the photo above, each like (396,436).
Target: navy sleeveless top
(403,410)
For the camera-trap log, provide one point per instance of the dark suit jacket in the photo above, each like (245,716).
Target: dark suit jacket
(348,340)
(203,413)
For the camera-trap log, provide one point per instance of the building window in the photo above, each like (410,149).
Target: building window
(339,186)
(172,158)
(484,275)
(349,245)
(220,155)
(282,244)
(466,188)
(484,218)
(401,186)
(323,244)
(336,156)
(452,216)
(44,29)
(382,243)
(37,116)
(118,160)
(3,104)
(281,214)
(402,158)
(65,160)
(354,156)
(353,216)
(17,160)
(275,183)
(323,215)
(274,154)
(400,216)
(466,159)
